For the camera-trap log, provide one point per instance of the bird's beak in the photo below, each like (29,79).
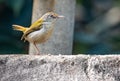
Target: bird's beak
(61,16)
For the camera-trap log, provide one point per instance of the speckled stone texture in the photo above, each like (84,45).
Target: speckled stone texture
(59,68)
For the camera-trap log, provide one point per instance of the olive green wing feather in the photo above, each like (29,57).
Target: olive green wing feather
(37,23)
(34,27)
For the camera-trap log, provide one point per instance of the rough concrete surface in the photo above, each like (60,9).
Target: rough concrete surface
(59,68)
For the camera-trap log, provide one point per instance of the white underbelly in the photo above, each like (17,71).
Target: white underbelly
(39,36)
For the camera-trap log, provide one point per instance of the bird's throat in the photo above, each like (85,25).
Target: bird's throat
(47,25)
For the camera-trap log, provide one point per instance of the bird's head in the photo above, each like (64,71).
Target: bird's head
(51,17)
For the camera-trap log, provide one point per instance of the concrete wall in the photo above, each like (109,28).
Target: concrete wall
(59,68)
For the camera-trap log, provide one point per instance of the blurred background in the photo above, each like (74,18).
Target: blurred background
(97,26)
(13,12)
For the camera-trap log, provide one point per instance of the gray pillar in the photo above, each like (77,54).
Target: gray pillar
(62,37)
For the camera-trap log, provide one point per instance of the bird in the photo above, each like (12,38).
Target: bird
(40,31)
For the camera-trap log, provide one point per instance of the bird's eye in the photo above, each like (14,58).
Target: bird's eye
(52,16)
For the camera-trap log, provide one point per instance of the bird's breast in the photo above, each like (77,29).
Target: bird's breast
(40,36)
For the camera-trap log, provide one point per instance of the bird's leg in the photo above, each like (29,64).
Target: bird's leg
(36,48)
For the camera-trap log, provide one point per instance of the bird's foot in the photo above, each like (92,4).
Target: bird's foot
(37,54)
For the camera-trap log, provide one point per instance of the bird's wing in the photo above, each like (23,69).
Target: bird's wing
(34,27)
(37,23)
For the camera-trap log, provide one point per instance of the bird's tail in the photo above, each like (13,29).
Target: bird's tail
(19,28)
